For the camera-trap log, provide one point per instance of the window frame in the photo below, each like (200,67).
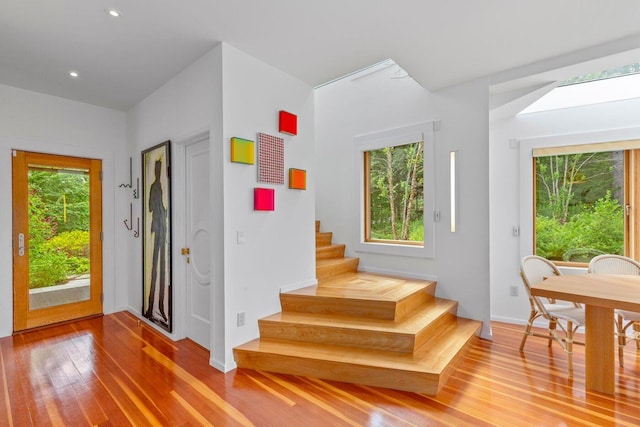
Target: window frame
(627,161)
(629,138)
(395,137)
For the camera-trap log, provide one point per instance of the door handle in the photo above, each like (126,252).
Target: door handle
(21,244)
(186,251)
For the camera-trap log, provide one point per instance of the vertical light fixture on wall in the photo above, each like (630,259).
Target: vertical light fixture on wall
(453,189)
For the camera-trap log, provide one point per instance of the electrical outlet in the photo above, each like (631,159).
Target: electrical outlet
(513,291)
(241,319)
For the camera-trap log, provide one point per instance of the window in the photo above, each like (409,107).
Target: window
(604,86)
(583,201)
(394,202)
(397,191)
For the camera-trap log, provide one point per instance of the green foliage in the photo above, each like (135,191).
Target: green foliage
(63,192)
(75,246)
(72,243)
(47,267)
(578,213)
(594,231)
(396,184)
(58,226)
(52,262)
(416,231)
(568,184)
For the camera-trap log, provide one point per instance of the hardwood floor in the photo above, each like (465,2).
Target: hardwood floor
(111,371)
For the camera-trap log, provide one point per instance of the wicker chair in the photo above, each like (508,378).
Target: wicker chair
(617,264)
(567,317)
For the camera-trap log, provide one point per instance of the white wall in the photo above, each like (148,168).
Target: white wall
(232,94)
(377,102)
(35,122)
(511,183)
(187,105)
(279,252)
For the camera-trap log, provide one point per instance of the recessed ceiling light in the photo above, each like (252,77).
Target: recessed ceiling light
(73,74)
(113,13)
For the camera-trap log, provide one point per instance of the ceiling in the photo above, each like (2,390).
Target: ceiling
(439,43)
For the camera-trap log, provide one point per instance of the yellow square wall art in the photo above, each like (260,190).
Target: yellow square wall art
(242,151)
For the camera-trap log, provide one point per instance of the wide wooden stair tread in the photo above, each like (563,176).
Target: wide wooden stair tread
(361,328)
(423,371)
(404,336)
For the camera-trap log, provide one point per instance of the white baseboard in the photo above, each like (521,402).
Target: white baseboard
(224,368)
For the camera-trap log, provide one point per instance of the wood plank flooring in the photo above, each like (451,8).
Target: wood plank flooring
(111,371)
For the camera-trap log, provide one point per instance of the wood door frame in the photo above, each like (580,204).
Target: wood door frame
(23,318)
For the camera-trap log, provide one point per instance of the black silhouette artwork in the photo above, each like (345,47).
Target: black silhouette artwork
(156,241)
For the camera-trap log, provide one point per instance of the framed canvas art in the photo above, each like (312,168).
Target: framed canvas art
(270,159)
(156,235)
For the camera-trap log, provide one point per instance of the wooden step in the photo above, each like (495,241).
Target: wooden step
(405,336)
(425,371)
(324,239)
(333,266)
(361,295)
(317,226)
(331,251)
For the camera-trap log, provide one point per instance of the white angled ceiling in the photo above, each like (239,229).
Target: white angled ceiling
(439,43)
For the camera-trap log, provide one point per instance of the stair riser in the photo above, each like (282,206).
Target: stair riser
(338,306)
(367,339)
(317,226)
(411,303)
(324,239)
(326,252)
(349,265)
(441,322)
(418,382)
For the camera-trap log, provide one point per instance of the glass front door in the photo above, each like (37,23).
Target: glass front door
(57,238)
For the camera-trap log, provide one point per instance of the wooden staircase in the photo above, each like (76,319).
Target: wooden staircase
(361,328)
(330,259)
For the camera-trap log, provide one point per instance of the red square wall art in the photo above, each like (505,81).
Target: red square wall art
(270,159)
(288,123)
(263,199)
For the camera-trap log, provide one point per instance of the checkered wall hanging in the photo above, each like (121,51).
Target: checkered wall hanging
(270,159)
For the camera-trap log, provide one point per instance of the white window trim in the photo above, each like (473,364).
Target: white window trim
(393,137)
(526,170)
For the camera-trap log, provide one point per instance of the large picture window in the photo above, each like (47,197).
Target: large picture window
(586,201)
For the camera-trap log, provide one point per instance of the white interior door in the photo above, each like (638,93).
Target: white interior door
(198,214)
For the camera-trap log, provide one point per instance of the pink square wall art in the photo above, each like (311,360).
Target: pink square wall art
(264,199)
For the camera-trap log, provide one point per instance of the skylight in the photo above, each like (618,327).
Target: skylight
(595,88)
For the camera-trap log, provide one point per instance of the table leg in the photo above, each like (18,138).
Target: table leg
(600,349)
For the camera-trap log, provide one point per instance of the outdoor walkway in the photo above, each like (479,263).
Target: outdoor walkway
(74,291)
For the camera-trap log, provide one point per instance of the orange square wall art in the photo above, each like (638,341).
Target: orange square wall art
(242,151)
(297,179)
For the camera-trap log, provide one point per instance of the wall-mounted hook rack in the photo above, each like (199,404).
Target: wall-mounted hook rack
(136,232)
(130,184)
(136,192)
(126,224)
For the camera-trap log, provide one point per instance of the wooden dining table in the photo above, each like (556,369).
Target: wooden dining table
(600,294)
